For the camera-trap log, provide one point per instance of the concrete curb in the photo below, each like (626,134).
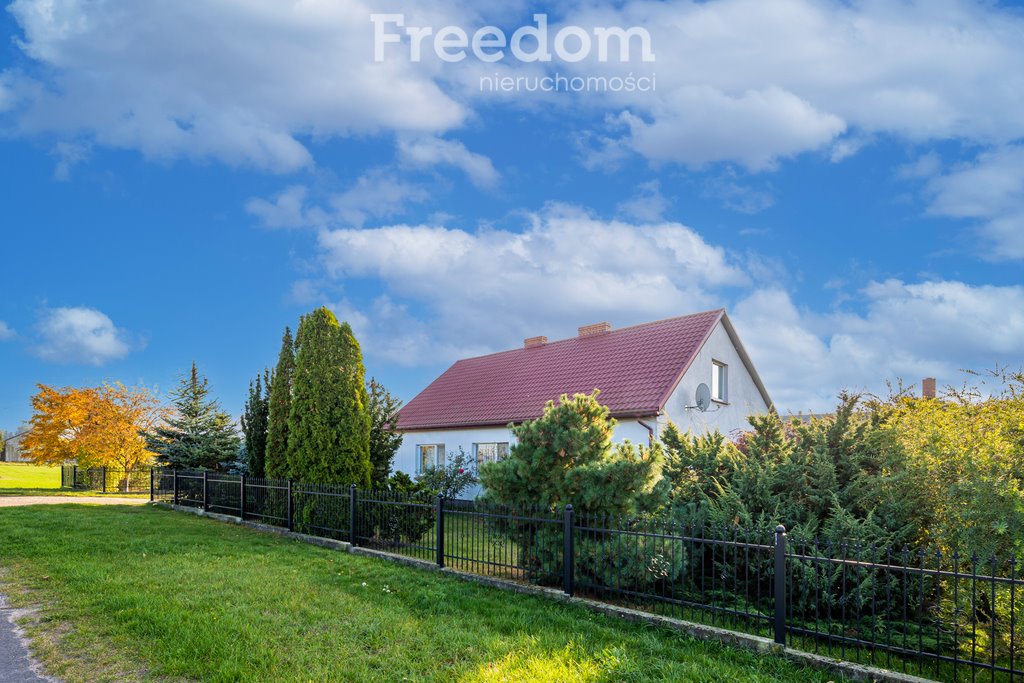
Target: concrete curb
(849,670)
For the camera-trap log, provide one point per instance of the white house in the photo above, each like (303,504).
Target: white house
(647,374)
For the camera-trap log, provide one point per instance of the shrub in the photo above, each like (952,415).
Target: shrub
(451,479)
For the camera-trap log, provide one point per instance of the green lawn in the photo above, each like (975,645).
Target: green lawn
(19,475)
(144,593)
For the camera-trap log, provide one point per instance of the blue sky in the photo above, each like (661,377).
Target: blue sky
(180,182)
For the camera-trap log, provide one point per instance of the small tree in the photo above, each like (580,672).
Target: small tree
(198,434)
(254,424)
(385,440)
(566,456)
(279,403)
(328,425)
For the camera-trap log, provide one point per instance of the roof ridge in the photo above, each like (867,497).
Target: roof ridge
(602,334)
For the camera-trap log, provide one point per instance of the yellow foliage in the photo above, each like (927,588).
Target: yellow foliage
(93,426)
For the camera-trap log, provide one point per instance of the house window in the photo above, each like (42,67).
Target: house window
(490,452)
(429,455)
(719,382)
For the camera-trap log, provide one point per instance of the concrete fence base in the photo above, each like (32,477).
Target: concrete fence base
(848,670)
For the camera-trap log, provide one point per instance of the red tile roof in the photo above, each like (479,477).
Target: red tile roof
(636,368)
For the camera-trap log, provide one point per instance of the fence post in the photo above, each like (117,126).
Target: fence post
(440,530)
(104,474)
(352,515)
(291,524)
(74,477)
(152,490)
(206,493)
(568,554)
(780,585)
(241,497)
(175,473)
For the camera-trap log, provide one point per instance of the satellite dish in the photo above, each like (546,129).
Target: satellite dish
(703,398)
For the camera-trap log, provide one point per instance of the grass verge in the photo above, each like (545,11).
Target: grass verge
(147,594)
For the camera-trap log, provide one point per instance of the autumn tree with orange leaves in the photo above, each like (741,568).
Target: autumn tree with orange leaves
(93,426)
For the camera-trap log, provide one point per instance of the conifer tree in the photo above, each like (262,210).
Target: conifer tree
(198,434)
(566,456)
(329,423)
(384,439)
(254,424)
(279,402)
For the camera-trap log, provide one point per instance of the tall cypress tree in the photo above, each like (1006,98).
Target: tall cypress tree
(198,434)
(254,424)
(329,424)
(279,401)
(384,439)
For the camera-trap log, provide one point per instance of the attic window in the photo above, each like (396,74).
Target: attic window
(719,382)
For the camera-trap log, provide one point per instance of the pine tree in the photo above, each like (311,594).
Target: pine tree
(384,439)
(254,424)
(198,434)
(329,424)
(279,402)
(566,456)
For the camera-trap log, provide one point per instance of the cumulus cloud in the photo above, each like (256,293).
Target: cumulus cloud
(5,331)
(485,290)
(424,152)
(267,77)
(80,335)
(906,330)
(753,82)
(741,81)
(990,191)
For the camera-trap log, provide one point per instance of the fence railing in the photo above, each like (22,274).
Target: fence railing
(106,479)
(949,617)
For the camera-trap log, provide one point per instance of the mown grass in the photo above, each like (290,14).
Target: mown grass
(20,475)
(148,594)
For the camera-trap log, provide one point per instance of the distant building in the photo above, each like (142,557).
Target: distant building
(12,448)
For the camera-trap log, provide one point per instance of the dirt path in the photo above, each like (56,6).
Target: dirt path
(16,665)
(17,501)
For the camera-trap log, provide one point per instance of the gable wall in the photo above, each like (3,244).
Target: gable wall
(744,397)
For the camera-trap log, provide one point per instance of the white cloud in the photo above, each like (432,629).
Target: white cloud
(268,75)
(377,194)
(80,335)
(741,81)
(989,190)
(648,204)
(5,331)
(906,330)
(488,289)
(754,82)
(424,152)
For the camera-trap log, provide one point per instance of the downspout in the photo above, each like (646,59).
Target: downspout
(650,431)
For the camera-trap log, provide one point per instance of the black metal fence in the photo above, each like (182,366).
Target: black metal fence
(106,479)
(949,617)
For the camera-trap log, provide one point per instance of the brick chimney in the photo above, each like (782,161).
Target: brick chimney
(596,328)
(928,387)
(534,342)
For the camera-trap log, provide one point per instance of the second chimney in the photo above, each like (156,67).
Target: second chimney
(534,342)
(928,387)
(596,328)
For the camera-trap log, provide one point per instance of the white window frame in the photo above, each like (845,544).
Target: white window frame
(437,460)
(501,449)
(719,381)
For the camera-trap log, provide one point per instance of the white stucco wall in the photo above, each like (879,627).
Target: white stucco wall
(744,399)
(405,460)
